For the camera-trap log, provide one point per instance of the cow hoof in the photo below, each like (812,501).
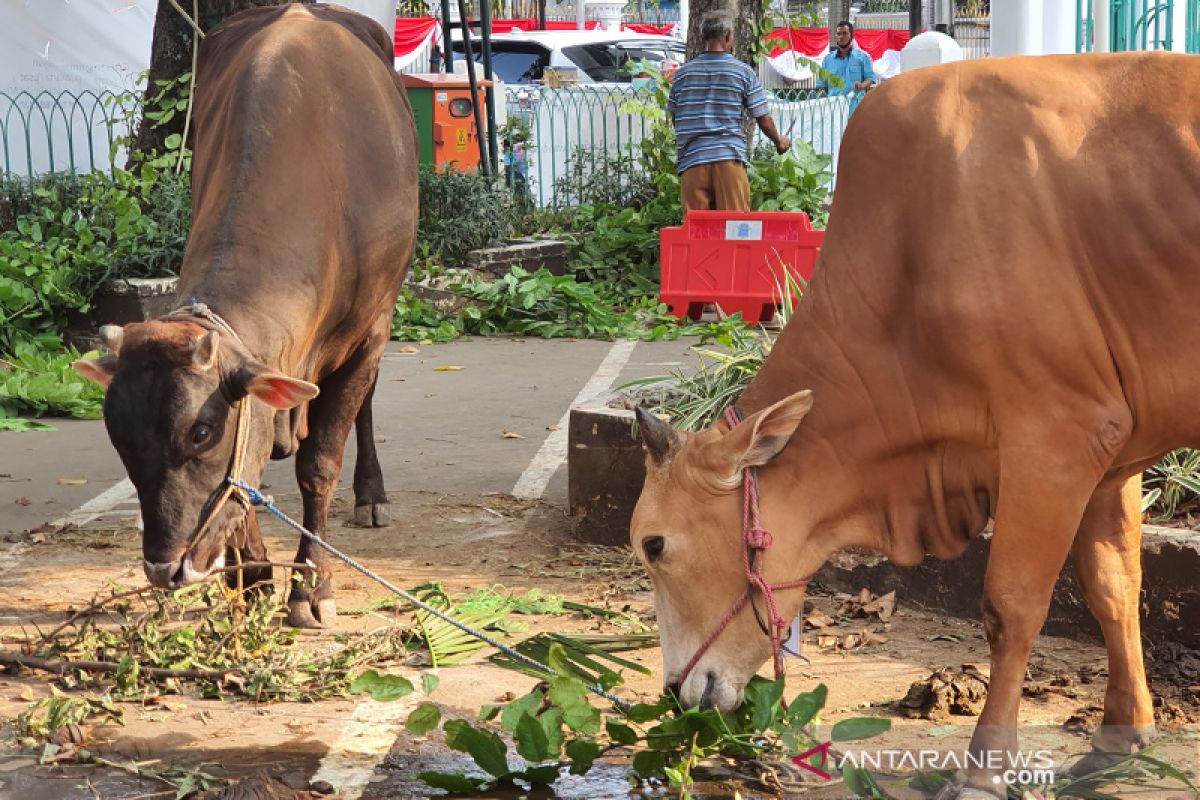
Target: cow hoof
(372,515)
(1094,762)
(300,614)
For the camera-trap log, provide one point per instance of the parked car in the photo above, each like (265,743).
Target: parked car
(598,56)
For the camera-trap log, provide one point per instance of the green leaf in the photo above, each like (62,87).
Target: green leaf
(645,712)
(459,784)
(423,719)
(859,781)
(764,697)
(514,711)
(486,748)
(173,141)
(544,775)
(620,733)
(429,682)
(805,706)
(849,730)
(532,742)
(578,713)
(649,764)
(582,753)
(382,688)
(558,661)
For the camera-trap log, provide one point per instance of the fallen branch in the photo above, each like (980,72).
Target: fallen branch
(96,605)
(63,667)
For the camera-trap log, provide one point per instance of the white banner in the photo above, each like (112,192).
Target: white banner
(59,58)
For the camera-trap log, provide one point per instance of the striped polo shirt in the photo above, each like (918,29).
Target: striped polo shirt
(707,97)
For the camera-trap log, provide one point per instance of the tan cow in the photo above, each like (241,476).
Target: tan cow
(1001,326)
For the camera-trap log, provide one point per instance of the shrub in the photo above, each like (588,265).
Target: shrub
(462,211)
(68,234)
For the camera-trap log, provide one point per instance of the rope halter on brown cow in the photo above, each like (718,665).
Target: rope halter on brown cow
(228,488)
(755,540)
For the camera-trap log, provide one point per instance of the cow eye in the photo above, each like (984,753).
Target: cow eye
(652,546)
(201,434)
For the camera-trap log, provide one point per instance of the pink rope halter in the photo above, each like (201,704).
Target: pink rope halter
(755,538)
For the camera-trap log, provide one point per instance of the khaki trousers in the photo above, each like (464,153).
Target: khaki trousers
(716,186)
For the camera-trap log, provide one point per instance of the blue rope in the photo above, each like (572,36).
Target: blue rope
(266,501)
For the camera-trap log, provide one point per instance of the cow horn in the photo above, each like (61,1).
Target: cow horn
(204,350)
(661,440)
(111,337)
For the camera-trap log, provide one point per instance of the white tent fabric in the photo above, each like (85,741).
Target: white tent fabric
(58,57)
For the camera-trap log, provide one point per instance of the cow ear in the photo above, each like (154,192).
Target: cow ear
(204,350)
(280,391)
(111,337)
(99,370)
(661,440)
(763,436)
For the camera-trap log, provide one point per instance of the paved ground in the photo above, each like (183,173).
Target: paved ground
(438,430)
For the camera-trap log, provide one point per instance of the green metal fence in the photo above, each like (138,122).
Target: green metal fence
(1140,25)
(569,123)
(47,131)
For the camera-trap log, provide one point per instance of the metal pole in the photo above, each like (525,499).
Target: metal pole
(470,58)
(447,39)
(914,17)
(485,29)
(541,15)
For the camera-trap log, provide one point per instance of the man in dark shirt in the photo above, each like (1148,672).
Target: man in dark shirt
(708,97)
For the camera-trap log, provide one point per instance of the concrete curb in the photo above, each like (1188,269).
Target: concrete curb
(605,474)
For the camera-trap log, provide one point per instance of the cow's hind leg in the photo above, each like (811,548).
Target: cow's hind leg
(1108,567)
(318,467)
(370,496)
(1042,499)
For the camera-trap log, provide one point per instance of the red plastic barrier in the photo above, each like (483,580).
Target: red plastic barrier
(735,260)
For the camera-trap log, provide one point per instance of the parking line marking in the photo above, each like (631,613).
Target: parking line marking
(365,738)
(553,452)
(102,503)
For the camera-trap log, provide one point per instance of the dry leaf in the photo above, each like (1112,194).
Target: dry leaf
(819,620)
(447,368)
(511,435)
(408,348)
(72,481)
(26,693)
(37,538)
(870,638)
(23,500)
(883,607)
(553,427)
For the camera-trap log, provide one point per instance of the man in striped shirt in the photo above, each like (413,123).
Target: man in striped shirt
(708,97)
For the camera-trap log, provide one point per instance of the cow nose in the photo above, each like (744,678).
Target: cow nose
(164,575)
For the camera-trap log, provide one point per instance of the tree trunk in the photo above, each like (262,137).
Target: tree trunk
(747,16)
(171,56)
(839,11)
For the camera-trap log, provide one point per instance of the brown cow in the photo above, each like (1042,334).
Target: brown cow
(304,208)
(997,328)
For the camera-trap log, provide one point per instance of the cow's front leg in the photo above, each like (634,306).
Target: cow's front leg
(318,467)
(1038,512)
(1108,567)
